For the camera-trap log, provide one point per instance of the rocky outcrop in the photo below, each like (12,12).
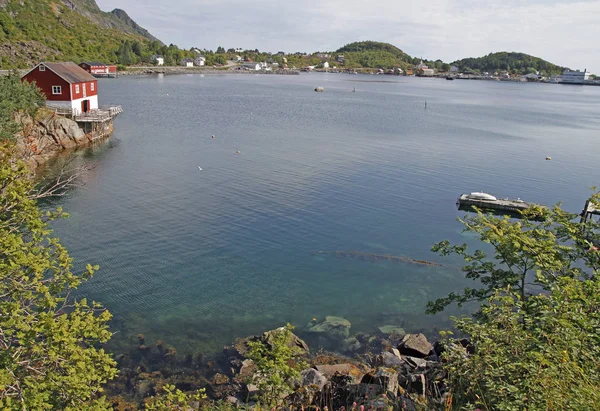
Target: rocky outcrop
(48,135)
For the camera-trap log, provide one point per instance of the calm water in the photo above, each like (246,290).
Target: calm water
(196,258)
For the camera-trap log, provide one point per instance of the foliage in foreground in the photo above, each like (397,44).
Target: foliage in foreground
(277,367)
(528,255)
(535,344)
(49,357)
(16,97)
(545,356)
(173,399)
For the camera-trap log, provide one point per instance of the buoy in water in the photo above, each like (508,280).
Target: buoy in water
(548,158)
(213,136)
(199,168)
(237,152)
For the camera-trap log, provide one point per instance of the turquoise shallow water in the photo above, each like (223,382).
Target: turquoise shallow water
(196,258)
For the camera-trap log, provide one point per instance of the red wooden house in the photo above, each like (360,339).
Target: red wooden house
(97,69)
(65,85)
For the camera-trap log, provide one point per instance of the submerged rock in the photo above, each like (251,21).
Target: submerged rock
(333,328)
(350,345)
(392,329)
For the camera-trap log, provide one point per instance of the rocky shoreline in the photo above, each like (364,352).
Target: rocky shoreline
(49,135)
(389,370)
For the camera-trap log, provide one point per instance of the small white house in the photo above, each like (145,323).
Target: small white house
(252,66)
(158,59)
(200,61)
(187,62)
(453,69)
(326,65)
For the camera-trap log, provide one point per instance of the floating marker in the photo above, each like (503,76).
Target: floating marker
(199,168)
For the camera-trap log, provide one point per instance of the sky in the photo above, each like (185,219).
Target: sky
(564,32)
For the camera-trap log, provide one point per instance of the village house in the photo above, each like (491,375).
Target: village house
(158,60)
(453,69)
(200,61)
(423,70)
(65,85)
(252,66)
(187,62)
(325,65)
(98,69)
(340,58)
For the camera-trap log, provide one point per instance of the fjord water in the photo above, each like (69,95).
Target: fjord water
(196,258)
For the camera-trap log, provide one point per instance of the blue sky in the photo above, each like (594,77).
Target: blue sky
(565,32)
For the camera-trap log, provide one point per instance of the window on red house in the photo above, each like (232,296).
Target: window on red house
(56,90)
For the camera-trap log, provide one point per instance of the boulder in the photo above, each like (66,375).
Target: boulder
(313,378)
(384,377)
(415,362)
(333,328)
(351,371)
(415,345)
(387,359)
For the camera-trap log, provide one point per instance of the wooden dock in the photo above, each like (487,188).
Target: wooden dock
(499,206)
(96,123)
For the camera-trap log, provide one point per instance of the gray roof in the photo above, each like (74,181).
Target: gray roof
(70,72)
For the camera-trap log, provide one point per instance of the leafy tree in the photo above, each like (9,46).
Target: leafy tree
(49,356)
(535,344)
(220,50)
(277,367)
(528,254)
(16,97)
(543,355)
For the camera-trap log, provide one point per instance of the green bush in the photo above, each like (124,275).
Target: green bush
(544,355)
(277,366)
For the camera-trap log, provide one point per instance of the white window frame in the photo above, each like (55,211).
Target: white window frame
(56,90)
(42,68)
(92,86)
(77,88)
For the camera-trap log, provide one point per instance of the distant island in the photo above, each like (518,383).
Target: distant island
(77,30)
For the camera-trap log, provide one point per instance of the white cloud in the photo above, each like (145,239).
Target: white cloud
(561,31)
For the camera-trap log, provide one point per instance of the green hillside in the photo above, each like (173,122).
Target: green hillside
(374,54)
(520,63)
(31,31)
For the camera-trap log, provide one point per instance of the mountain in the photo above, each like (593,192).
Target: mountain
(374,54)
(35,30)
(514,62)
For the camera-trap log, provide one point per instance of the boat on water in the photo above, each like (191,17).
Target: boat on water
(449,78)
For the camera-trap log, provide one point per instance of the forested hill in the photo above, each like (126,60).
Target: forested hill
(35,30)
(514,62)
(374,54)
